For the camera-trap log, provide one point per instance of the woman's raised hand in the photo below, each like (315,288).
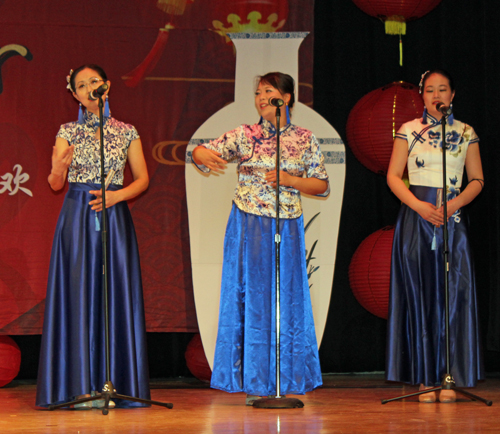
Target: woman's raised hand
(62,155)
(61,160)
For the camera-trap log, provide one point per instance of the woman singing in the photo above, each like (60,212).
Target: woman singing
(245,351)
(416,345)
(73,359)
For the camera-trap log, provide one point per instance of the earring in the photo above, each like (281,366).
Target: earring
(106,108)
(424,116)
(287,115)
(80,115)
(451,119)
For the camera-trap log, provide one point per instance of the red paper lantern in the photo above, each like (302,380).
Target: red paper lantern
(407,9)
(375,120)
(370,272)
(10,360)
(196,360)
(173,7)
(396,13)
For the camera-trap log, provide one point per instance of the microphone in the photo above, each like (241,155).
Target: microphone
(97,93)
(276,102)
(445,110)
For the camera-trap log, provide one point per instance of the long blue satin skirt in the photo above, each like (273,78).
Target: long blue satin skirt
(245,354)
(72,358)
(416,346)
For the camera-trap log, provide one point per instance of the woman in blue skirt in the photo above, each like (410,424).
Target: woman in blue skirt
(245,353)
(416,345)
(73,357)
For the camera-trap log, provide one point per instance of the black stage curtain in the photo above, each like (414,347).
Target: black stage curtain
(354,56)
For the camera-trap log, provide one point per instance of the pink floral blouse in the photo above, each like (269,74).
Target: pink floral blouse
(253,147)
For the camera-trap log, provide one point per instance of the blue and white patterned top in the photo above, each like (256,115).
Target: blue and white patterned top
(254,148)
(425,160)
(86,164)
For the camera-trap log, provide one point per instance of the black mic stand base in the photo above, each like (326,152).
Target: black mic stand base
(275,402)
(447,384)
(108,393)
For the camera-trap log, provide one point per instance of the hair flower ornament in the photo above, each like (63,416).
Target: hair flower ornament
(422,81)
(68,79)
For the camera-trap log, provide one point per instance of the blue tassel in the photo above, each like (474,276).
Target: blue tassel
(450,117)
(424,116)
(97,224)
(433,246)
(106,108)
(80,115)
(287,115)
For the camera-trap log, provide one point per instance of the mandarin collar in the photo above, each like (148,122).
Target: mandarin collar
(268,129)
(429,119)
(92,120)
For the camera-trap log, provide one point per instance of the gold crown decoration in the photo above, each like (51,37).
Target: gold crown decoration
(253,24)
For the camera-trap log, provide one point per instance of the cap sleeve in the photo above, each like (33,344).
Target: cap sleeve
(315,164)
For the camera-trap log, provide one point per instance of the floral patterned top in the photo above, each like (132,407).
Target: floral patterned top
(425,161)
(254,148)
(86,164)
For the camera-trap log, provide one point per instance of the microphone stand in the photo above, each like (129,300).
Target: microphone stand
(448,382)
(278,401)
(108,390)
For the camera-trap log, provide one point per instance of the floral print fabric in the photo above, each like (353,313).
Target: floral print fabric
(254,148)
(86,164)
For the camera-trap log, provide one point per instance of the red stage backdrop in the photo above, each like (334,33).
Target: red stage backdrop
(170,67)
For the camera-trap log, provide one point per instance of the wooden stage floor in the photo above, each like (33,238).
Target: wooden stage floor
(345,404)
